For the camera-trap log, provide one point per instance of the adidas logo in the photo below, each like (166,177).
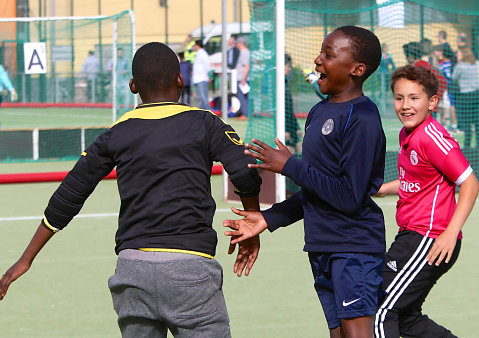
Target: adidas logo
(392,265)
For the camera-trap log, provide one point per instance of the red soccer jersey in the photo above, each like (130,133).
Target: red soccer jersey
(430,165)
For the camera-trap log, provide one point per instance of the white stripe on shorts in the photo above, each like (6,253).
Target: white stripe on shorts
(401,282)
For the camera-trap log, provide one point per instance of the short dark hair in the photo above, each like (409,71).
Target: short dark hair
(199,43)
(181,55)
(413,49)
(420,75)
(364,46)
(443,34)
(155,67)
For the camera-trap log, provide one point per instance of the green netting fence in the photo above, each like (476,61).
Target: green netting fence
(65,95)
(416,24)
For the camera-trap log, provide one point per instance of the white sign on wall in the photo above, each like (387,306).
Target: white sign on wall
(35,57)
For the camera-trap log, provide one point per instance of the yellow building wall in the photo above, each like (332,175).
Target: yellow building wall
(183,15)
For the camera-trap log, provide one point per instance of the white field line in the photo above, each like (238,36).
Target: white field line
(115,214)
(100,215)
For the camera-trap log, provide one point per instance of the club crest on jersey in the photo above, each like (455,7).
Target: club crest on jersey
(328,127)
(413,157)
(234,138)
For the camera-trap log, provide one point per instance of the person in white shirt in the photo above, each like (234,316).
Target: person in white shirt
(201,69)
(242,69)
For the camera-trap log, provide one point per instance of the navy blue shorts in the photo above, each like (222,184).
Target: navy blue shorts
(349,285)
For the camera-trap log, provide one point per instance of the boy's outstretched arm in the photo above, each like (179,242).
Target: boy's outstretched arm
(446,242)
(41,237)
(390,188)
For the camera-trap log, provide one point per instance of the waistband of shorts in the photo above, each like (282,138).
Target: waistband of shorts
(157,255)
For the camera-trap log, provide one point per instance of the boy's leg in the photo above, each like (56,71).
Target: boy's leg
(348,286)
(202,93)
(188,95)
(197,304)
(152,294)
(407,281)
(357,281)
(358,327)
(135,301)
(243,98)
(415,324)
(324,288)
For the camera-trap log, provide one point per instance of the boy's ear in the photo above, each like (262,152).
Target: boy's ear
(133,86)
(433,101)
(179,81)
(359,69)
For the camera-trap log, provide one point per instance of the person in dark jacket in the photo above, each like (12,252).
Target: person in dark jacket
(163,152)
(342,166)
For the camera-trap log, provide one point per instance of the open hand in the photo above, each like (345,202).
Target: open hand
(273,159)
(251,225)
(247,254)
(17,269)
(442,249)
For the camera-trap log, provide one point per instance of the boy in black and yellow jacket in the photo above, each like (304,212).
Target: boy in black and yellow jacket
(163,152)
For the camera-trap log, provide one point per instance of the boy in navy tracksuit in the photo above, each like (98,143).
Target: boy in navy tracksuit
(341,168)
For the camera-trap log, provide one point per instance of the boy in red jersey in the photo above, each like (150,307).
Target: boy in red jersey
(430,166)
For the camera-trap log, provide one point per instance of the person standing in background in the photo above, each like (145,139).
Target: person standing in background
(185,69)
(448,119)
(462,39)
(387,63)
(242,69)
(386,67)
(466,73)
(123,76)
(446,47)
(427,51)
(6,86)
(232,53)
(201,69)
(91,68)
(189,49)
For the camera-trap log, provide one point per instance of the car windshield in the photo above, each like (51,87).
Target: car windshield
(213,45)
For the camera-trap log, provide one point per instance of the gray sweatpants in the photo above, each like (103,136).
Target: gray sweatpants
(156,291)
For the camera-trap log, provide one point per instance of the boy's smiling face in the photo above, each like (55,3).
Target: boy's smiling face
(335,65)
(411,103)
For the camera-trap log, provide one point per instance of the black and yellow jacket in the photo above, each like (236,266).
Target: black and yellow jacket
(163,153)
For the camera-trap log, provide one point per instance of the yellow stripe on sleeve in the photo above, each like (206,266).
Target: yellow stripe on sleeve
(49,226)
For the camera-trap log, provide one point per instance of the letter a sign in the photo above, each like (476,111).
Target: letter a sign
(35,56)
